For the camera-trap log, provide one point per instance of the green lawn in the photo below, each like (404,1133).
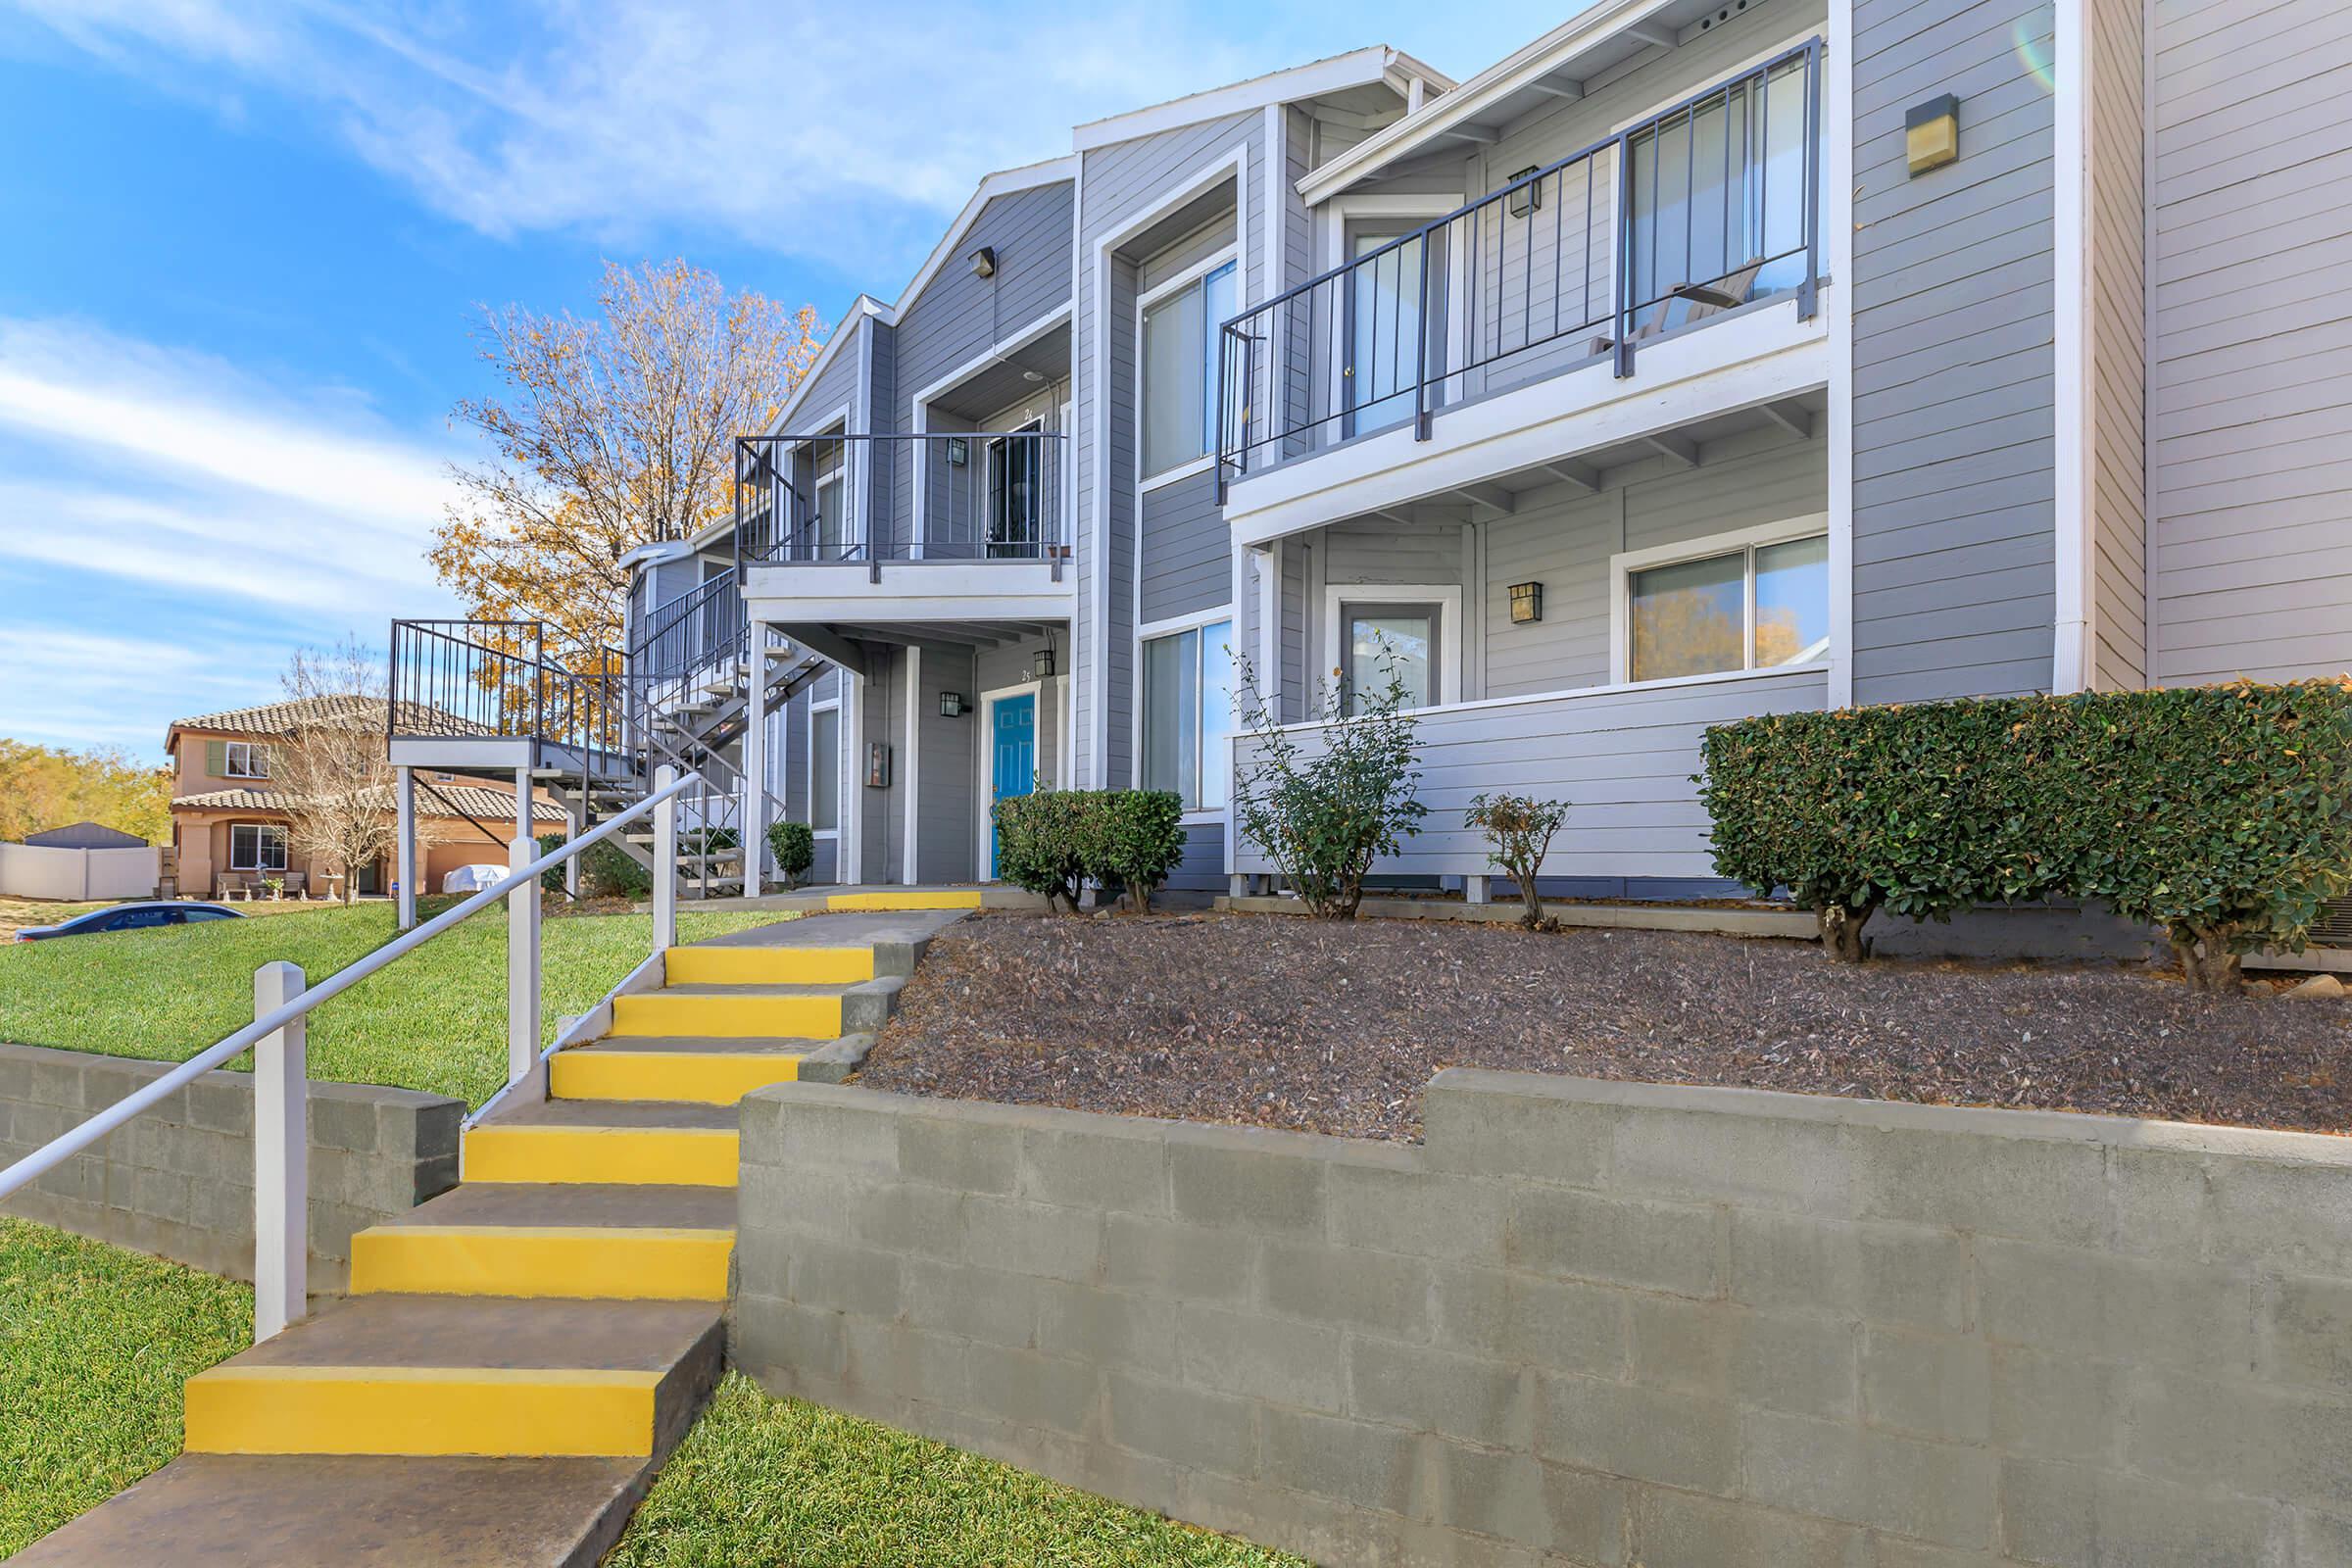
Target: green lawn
(763,1483)
(94,1344)
(435,1020)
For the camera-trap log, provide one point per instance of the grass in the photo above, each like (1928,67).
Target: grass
(763,1483)
(19,912)
(434,1021)
(94,1344)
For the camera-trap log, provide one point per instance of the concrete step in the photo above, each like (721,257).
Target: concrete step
(763,1012)
(568,1142)
(441,1374)
(715,1070)
(910,898)
(748,965)
(573,1242)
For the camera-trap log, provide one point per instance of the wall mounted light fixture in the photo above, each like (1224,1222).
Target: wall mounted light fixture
(984,262)
(1931,134)
(1526,602)
(951,704)
(1528,197)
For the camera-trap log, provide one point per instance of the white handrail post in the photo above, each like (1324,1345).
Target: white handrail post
(755,765)
(281,1156)
(666,862)
(522,962)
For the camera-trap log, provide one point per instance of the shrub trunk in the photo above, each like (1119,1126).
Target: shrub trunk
(2208,961)
(1841,931)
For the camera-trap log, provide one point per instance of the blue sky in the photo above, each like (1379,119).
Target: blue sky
(242,243)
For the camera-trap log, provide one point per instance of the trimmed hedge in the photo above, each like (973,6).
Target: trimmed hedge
(794,845)
(1053,842)
(2221,813)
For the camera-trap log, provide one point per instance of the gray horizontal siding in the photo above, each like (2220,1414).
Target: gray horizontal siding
(1187,552)
(1202,868)
(2250,345)
(1622,760)
(1954,458)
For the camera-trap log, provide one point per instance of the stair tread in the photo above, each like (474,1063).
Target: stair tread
(753,989)
(699,1045)
(621,1116)
(607,1205)
(545,1333)
(215,1510)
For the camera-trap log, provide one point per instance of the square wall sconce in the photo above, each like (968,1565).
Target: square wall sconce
(951,704)
(960,451)
(1931,134)
(984,262)
(1041,667)
(1528,197)
(1526,602)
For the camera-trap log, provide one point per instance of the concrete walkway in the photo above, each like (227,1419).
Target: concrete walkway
(520,1354)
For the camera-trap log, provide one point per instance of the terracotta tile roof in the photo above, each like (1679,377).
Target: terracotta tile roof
(281,719)
(477,801)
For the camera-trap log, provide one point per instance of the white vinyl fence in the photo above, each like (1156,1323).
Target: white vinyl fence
(29,871)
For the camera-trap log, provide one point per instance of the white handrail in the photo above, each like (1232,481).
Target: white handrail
(69,1144)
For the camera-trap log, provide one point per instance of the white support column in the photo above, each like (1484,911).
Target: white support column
(522,962)
(575,824)
(666,862)
(404,871)
(523,827)
(1478,889)
(754,767)
(910,766)
(281,1157)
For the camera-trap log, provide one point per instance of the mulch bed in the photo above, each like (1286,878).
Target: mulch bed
(1286,1022)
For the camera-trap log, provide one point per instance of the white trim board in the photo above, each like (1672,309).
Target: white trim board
(1453,635)
(2073,238)
(1359,68)
(984,758)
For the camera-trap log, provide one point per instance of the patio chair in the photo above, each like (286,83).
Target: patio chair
(297,884)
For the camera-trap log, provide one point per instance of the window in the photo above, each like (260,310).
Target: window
(1392,640)
(245,759)
(257,846)
(1756,605)
(1181,329)
(1384,307)
(1014,471)
(1188,713)
(824,768)
(192,917)
(832,489)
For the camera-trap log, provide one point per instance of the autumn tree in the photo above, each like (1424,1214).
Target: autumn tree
(331,770)
(610,433)
(43,787)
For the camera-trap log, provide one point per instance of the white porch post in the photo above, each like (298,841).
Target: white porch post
(1478,889)
(522,809)
(575,823)
(666,862)
(282,1206)
(755,768)
(522,962)
(404,868)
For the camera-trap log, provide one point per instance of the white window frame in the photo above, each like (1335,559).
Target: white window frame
(1172,626)
(808,768)
(984,778)
(229,751)
(285,848)
(1191,276)
(1621,567)
(1407,212)
(1452,634)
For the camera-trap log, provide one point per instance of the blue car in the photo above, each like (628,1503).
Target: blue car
(130,917)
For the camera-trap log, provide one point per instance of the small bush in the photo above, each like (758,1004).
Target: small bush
(1519,830)
(794,845)
(2221,813)
(1053,842)
(552,879)
(1324,818)
(607,871)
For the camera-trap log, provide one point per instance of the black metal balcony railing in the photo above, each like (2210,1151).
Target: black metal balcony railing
(691,631)
(490,679)
(1693,212)
(969,496)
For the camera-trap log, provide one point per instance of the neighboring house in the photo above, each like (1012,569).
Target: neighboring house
(1663,372)
(84,835)
(230,823)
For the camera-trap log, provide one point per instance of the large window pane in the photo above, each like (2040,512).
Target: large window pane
(1173,389)
(1385,643)
(1216,713)
(1688,619)
(824,770)
(1172,716)
(1793,602)
(1221,296)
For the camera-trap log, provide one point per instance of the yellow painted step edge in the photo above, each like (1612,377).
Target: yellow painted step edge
(732,1017)
(706,1077)
(951,899)
(663,1155)
(747,965)
(610,1262)
(421,1410)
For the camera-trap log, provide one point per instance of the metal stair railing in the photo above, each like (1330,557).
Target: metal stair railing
(283,1002)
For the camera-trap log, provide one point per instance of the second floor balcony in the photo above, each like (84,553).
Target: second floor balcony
(1602,266)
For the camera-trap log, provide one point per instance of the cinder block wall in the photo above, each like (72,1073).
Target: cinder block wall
(178,1180)
(1591,1323)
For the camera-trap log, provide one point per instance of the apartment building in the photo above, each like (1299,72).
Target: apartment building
(1695,361)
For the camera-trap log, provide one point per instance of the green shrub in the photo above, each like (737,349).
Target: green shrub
(794,845)
(607,871)
(1325,818)
(1053,842)
(1519,830)
(552,879)
(2221,813)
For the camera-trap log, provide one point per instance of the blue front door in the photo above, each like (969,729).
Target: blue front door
(1012,757)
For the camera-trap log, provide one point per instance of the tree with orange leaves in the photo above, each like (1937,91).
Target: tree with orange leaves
(613,433)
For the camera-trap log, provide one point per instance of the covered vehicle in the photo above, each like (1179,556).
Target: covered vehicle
(471,878)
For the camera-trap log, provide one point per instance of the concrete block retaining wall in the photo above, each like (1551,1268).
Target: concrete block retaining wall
(1591,1323)
(177,1182)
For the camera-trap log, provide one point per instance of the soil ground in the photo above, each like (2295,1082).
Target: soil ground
(1286,1022)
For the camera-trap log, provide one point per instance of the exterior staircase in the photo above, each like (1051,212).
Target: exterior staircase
(518,1355)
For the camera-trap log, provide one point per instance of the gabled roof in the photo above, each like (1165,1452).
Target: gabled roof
(474,800)
(1333,73)
(270,720)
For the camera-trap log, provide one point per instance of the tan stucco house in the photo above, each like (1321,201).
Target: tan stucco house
(228,822)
